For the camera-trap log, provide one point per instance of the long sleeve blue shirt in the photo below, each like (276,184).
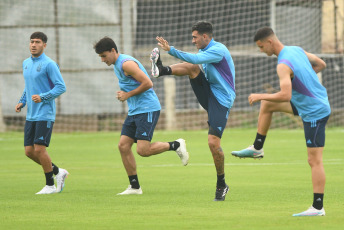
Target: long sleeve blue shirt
(218,66)
(42,77)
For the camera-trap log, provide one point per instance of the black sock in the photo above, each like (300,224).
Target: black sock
(221,181)
(49,178)
(55,168)
(165,70)
(318,200)
(259,141)
(134,181)
(174,145)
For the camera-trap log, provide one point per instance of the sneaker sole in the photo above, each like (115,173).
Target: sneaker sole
(64,182)
(128,194)
(154,58)
(254,157)
(297,215)
(187,153)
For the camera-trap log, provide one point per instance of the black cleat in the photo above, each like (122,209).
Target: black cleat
(220,193)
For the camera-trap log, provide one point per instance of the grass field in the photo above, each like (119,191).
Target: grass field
(263,193)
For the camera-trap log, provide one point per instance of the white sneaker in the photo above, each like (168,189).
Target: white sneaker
(182,152)
(311,211)
(249,152)
(131,191)
(48,190)
(60,179)
(154,59)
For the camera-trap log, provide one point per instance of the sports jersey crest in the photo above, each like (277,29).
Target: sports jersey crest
(39,67)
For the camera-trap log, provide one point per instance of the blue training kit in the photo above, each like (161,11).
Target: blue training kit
(309,96)
(42,77)
(218,67)
(142,103)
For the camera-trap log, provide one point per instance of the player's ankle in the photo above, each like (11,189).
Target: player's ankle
(165,70)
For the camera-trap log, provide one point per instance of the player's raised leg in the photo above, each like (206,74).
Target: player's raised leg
(267,109)
(180,69)
(146,149)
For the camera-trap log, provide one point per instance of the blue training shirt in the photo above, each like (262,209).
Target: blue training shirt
(141,103)
(309,96)
(218,67)
(42,77)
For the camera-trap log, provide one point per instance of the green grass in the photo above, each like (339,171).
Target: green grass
(263,193)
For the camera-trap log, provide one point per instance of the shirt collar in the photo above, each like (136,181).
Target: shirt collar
(211,43)
(38,58)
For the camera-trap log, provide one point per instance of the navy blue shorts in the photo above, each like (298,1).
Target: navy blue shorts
(217,113)
(140,126)
(38,132)
(314,131)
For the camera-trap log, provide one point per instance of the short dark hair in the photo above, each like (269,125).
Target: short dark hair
(263,33)
(105,44)
(203,27)
(39,35)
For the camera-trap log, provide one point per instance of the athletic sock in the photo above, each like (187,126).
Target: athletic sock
(221,181)
(134,181)
(55,169)
(164,70)
(174,145)
(49,178)
(318,200)
(259,141)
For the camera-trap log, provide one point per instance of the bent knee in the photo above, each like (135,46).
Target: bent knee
(143,152)
(39,149)
(123,147)
(29,154)
(194,70)
(214,143)
(29,151)
(266,105)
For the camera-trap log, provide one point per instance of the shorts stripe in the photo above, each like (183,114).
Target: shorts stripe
(315,132)
(140,126)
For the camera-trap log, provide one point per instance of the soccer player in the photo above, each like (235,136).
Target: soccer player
(213,83)
(301,93)
(43,83)
(144,109)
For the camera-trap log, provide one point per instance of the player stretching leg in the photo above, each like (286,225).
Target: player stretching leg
(214,88)
(301,94)
(144,111)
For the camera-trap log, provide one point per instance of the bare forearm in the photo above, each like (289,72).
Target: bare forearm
(317,63)
(142,88)
(317,68)
(276,97)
